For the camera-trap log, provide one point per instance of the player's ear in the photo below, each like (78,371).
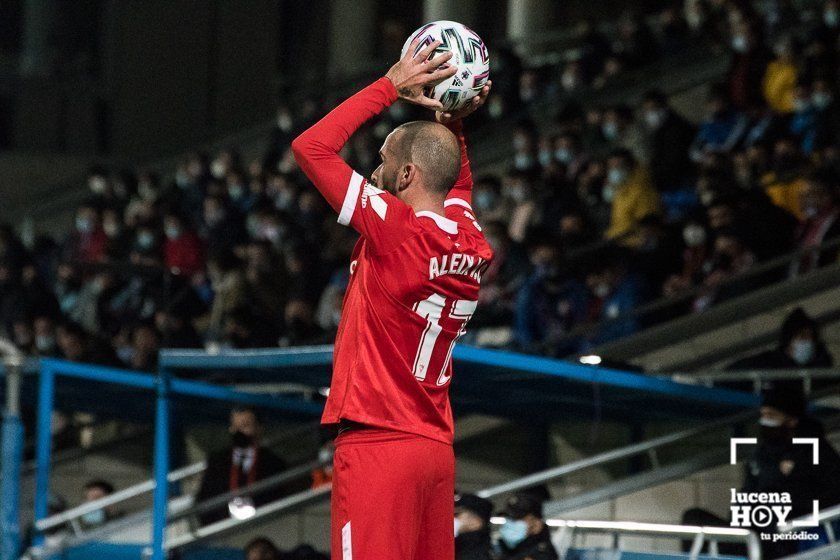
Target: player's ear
(407,174)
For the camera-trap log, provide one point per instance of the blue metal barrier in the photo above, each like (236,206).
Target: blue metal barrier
(165,387)
(9,486)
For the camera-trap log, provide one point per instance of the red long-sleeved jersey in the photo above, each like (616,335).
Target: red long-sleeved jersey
(414,279)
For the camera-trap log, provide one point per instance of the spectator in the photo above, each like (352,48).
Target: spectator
(96,490)
(819,204)
(614,292)
(524,533)
(781,76)
(229,289)
(619,129)
(720,132)
(183,252)
(472,527)
(799,346)
(87,244)
(778,465)
(670,138)
(261,548)
(549,302)
(629,190)
(748,67)
(804,124)
(786,180)
(145,345)
(242,464)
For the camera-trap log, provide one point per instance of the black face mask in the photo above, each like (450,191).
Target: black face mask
(241,440)
(775,435)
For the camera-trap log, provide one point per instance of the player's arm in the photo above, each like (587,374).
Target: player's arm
(455,122)
(317,149)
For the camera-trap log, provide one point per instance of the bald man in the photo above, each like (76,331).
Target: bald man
(414,279)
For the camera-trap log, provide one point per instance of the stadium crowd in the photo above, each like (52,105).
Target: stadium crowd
(600,210)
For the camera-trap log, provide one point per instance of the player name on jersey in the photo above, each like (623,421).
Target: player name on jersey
(457,263)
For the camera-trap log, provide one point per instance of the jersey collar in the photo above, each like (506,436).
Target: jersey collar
(447,225)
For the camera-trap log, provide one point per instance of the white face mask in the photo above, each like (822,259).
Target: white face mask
(457,526)
(821,99)
(694,235)
(602,290)
(616,176)
(802,351)
(739,44)
(654,119)
(769,422)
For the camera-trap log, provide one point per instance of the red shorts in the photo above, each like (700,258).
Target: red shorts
(392,497)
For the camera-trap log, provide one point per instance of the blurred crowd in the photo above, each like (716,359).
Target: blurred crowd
(608,207)
(597,211)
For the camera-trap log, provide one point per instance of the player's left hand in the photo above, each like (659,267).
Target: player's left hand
(468,109)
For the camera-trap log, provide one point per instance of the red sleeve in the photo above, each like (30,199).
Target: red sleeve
(463,186)
(377,215)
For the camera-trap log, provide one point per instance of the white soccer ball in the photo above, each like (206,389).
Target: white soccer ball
(469,55)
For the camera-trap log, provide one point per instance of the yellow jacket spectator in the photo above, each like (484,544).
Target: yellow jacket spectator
(780,78)
(630,190)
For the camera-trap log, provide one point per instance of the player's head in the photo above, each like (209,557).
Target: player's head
(419,159)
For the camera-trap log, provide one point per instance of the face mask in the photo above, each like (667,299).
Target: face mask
(93,518)
(484,200)
(608,192)
(602,290)
(513,532)
(519,143)
(236,191)
(802,351)
(44,343)
(739,44)
(769,422)
(112,229)
(821,100)
(97,184)
(563,155)
(218,169)
(694,235)
(241,440)
(616,176)
(325,456)
(495,107)
(172,232)
(84,225)
(801,105)
(284,122)
(457,526)
(654,119)
(544,158)
(523,161)
(609,130)
(125,354)
(145,240)
(517,193)
(831,18)
(569,81)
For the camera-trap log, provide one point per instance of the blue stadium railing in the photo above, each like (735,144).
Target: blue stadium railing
(486,379)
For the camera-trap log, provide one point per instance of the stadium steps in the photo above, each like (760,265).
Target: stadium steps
(732,328)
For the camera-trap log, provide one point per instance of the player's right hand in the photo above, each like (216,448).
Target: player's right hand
(468,109)
(414,73)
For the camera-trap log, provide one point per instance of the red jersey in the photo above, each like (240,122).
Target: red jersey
(414,279)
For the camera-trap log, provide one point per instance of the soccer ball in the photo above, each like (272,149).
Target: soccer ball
(469,55)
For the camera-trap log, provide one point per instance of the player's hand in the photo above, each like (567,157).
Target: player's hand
(413,73)
(468,109)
